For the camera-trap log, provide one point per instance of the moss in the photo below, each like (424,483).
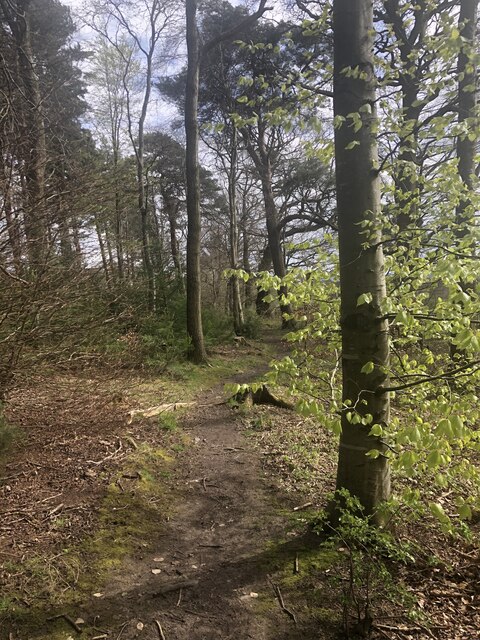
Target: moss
(125,521)
(303,590)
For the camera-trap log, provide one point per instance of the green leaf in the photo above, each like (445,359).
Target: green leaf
(376,430)
(438,511)
(352,145)
(368,368)
(465,512)
(434,459)
(365,298)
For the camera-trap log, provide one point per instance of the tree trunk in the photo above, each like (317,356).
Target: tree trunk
(33,149)
(118,214)
(467,113)
(261,305)
(406,180)
(467,105)
(262,163)
(171,207)
(248,288)
(364,332)
(12,223)
(103,253)
(194,292)
(237,307)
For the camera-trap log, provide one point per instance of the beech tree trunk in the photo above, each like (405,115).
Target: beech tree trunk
(467,113)
(364,332)
(194,290)
(467,103)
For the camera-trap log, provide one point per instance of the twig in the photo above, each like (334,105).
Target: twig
(160,630)
(204,482)
(122,628)
(58,508)
(179,598)
(68,619)
(296,568)
(211,546)
(418,627)
(303,506)
(109,457)
(278,593)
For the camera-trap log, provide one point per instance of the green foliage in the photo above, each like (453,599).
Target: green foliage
(251,327)
(167,421)
(217,327)
(365,562)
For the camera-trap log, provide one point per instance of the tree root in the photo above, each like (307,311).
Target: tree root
(262,396)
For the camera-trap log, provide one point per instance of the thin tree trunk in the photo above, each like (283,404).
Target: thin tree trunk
(12,223)
(194,289)
(103,254)
(364,332)
(171,207)
(118,215)
(194,302)
(406,178)
(247,267)
(237,307)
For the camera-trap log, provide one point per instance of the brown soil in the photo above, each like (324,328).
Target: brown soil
(223,540)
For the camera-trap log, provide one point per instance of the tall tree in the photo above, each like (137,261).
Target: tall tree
(119,23)
(467,103)
(195,51)
(365,350)
(33,149)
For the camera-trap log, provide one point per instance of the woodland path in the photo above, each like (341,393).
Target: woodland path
(207,571)
(216,543)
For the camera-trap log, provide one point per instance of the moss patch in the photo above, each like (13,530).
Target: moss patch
(128,519)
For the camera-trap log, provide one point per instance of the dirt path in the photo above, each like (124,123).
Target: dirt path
(207,570)
(215,545)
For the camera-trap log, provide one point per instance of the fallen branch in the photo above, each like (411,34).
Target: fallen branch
(68,619)
(155,411)
(303,506)
(278,593)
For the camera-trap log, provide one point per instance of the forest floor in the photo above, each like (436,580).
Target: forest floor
(191,523)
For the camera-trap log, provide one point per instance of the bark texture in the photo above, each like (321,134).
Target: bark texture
(262,161)
(467,101)
(194,289)
(364,333)
(34,148)
(237,306)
